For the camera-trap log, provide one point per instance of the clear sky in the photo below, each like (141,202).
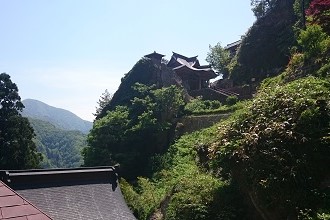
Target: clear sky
(66,53)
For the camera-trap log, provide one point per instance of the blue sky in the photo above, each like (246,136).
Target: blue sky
(67,52)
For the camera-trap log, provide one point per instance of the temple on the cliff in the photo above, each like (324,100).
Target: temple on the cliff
(193,75)
(195,78)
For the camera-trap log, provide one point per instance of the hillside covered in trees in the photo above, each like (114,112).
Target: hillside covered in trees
(268,160)
(60,148)
(60,135)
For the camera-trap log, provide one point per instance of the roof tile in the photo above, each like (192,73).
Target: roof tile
(4,191)
(17,211)
(11,200)
(15,207)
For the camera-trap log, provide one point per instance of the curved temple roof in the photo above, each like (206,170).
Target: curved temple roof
(190,65)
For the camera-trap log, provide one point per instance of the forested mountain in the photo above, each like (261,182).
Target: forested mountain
(60,148)
(61,118)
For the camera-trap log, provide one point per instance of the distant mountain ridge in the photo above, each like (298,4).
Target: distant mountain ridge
(61,118)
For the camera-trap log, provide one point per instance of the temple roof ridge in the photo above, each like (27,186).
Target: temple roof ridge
(189,59)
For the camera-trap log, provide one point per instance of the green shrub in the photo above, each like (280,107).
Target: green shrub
(231,100)
(183,189)
(324,71)
(278,146)
(198,105)
(314,42)
(192,197)
(144,199)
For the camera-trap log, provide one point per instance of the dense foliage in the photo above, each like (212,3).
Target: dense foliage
(181,189)
(278,146)
(131,134)
(273,151)
(17,150)
(60,148)
(313,57)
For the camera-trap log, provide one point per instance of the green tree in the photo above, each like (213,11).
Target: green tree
(107,137)
(17,150)
(219,58)
(104,100)
(131,134)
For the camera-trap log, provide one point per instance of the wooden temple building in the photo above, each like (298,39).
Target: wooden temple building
(233,47)
(194,76)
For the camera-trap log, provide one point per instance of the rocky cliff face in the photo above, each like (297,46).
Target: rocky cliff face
(265,48)
(146,72)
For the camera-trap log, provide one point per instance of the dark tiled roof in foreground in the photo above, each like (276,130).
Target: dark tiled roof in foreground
(70,194)
(15,207)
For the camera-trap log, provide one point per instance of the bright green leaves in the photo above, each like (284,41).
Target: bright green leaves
(219,58)
(169,101)
(314,42)
(106,137)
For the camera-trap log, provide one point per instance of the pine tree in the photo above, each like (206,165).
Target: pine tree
(104,100)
